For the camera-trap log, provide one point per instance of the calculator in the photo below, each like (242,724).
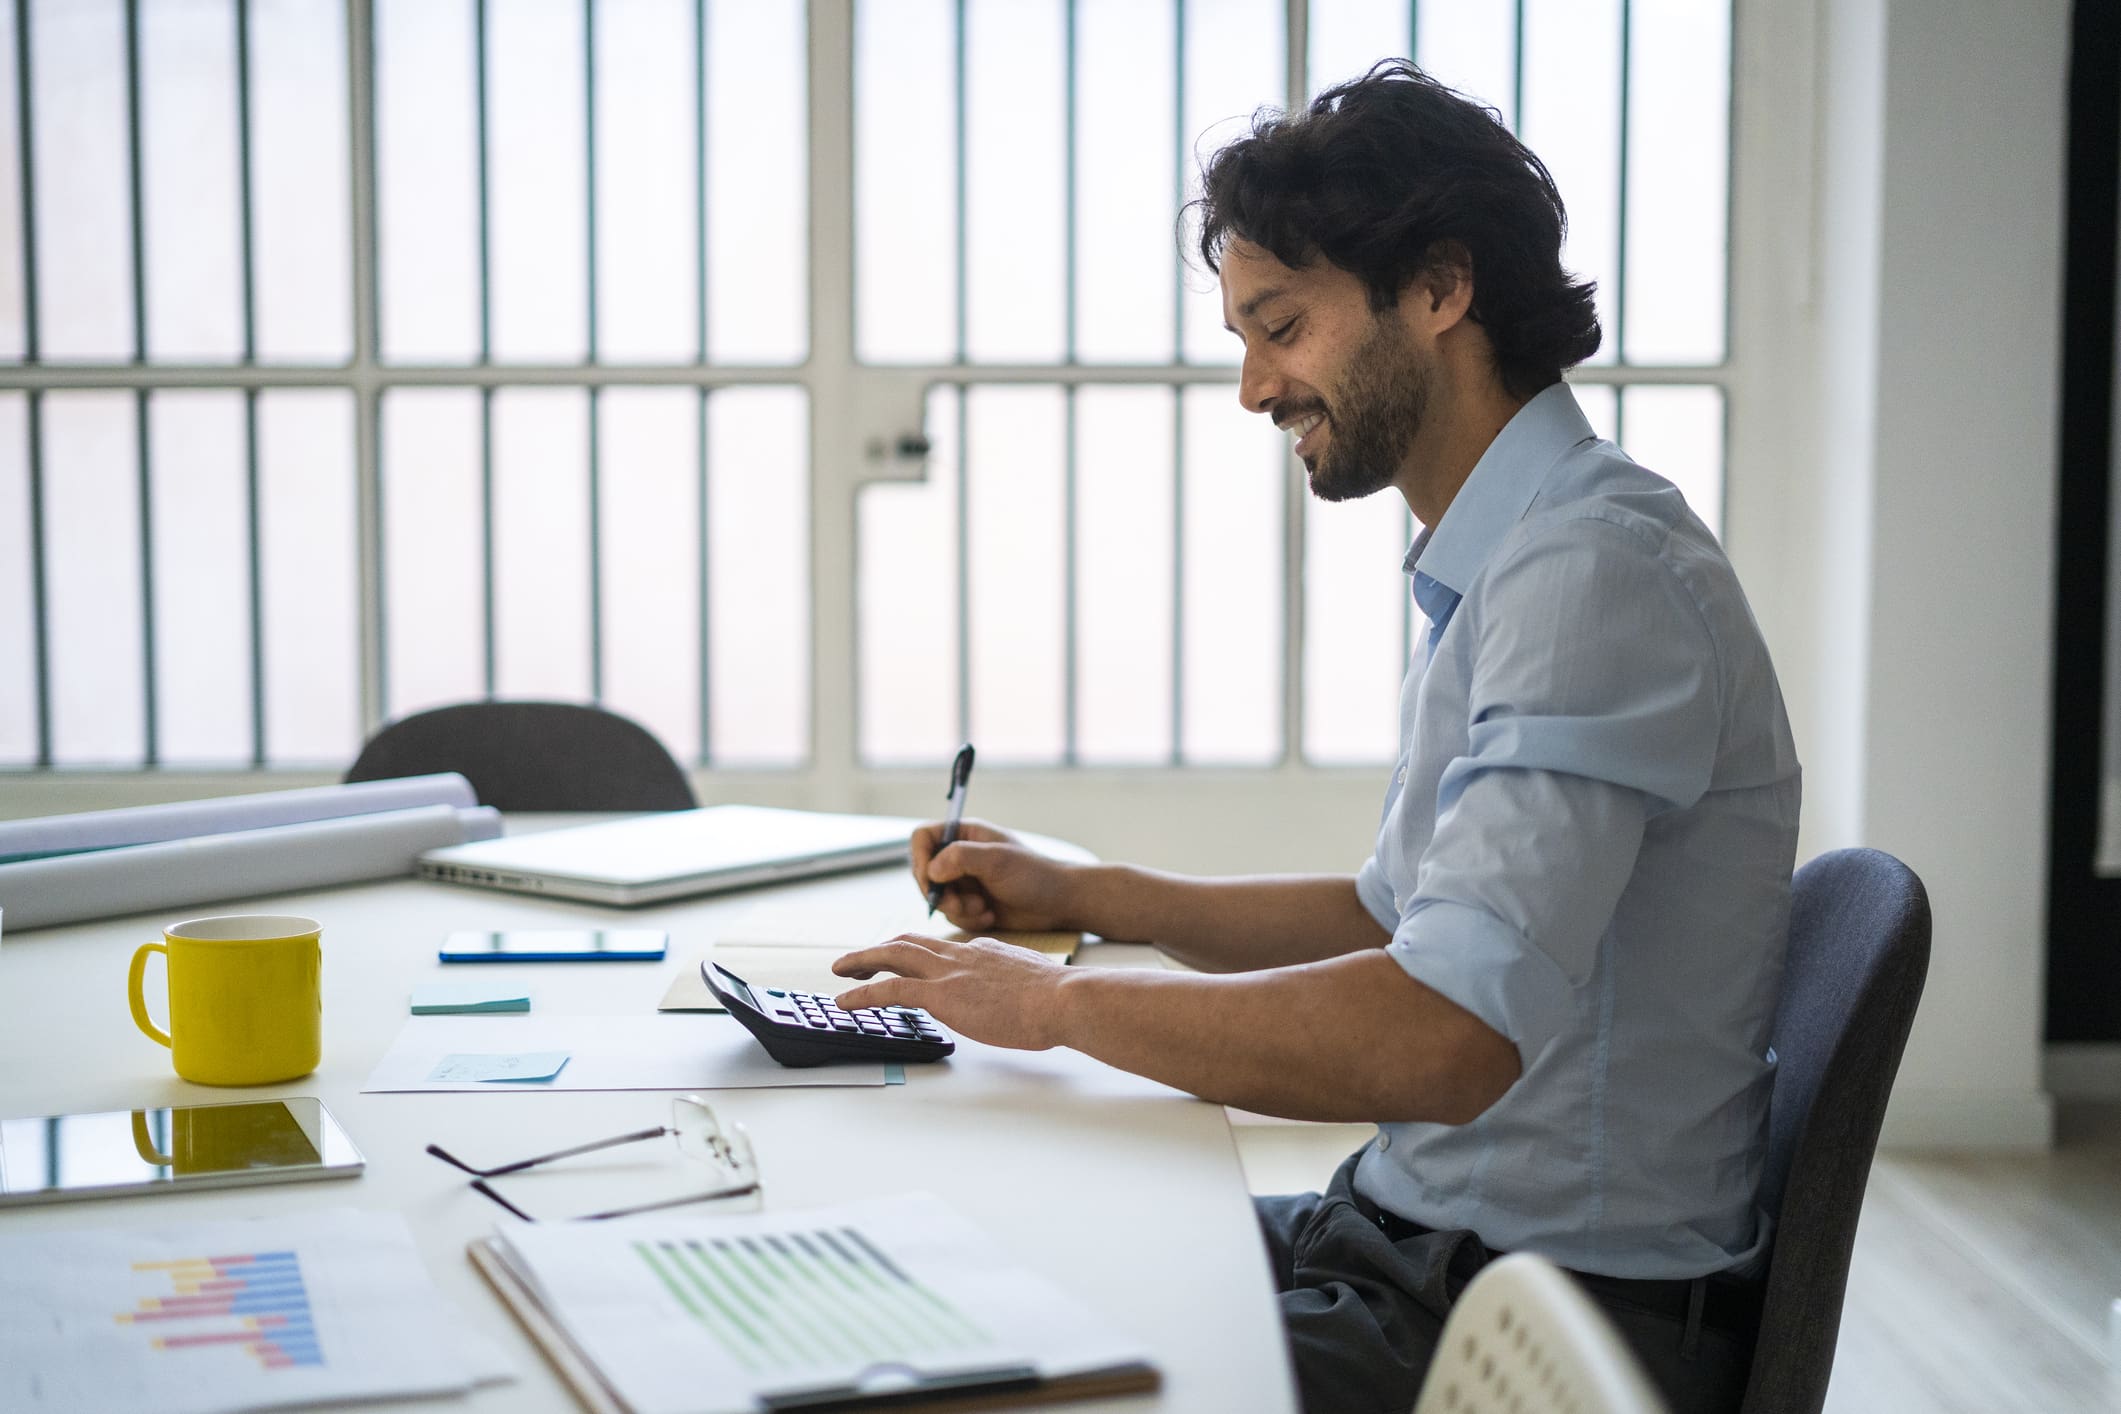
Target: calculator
(804,1028)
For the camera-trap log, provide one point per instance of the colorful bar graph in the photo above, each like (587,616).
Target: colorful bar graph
(255,1300)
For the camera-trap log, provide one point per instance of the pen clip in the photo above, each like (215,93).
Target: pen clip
(960,770)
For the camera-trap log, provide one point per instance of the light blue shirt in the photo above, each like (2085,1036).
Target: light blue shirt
(1588,844)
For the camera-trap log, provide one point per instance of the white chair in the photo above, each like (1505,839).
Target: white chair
(1524,1339)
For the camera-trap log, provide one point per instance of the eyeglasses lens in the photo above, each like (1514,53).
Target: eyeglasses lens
(699,1136)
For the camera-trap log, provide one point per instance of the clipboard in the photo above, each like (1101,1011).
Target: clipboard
(590,1390)
(560,1352)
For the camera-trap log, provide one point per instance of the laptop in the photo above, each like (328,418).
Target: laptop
(676,854)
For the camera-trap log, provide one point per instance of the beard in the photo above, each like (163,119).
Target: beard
(1374,418)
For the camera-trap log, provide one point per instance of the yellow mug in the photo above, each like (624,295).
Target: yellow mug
(245,1002)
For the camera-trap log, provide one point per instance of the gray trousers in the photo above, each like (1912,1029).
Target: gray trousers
(1363,1312)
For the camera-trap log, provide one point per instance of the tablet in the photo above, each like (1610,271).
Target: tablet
(53,1158)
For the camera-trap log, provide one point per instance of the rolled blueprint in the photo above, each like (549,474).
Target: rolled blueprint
(187,819)
(207,868)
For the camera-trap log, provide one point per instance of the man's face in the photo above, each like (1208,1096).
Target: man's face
(1349,383)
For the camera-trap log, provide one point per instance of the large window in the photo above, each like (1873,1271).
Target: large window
(365,356)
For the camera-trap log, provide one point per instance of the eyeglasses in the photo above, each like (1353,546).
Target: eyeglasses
(699,1137)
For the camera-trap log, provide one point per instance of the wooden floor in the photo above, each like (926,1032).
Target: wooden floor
(1980,1283)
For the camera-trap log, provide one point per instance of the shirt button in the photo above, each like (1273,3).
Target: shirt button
(1384,1141)
(1401,778)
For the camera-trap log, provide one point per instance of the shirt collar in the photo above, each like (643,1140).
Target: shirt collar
(1500,489)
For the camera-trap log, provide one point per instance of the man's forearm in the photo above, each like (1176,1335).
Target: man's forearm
(1228,925)
(1349,1039)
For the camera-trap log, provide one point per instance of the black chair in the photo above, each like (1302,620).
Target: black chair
(1859,950)
(533,756)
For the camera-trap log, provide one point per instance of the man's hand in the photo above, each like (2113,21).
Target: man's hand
(987,990)
(990,881)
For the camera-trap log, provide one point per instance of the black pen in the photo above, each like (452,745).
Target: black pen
(960,778)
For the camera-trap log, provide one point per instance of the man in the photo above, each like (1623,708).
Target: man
(1551,983)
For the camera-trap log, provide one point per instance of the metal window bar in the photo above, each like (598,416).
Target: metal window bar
(1181,149)
(483,149)
(595,395)
(1620,238)
(368,497)
(699,177)
(249,266)
(142,460)
(1070,434)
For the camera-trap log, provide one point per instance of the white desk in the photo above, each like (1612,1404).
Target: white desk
(1131,1200)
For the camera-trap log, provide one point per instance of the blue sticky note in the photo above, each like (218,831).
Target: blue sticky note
(532,1067)
(441,998)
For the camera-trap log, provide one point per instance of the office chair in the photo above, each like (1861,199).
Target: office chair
(1858,952)
(533,756)
(1524,1339)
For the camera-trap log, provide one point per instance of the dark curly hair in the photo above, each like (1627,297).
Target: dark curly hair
(1393,176)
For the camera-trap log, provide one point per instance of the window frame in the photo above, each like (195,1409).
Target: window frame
(1771,240)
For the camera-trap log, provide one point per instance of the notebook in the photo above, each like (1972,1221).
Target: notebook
(895,1301)
(675,854)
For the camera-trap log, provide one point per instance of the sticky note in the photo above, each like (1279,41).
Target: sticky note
(532,1067)
(438,998)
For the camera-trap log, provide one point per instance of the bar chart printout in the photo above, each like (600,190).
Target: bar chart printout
(807,1300)
(881,1297)
(255,1301)
(201,1318)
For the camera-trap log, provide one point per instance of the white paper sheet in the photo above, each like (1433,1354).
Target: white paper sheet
(208,868)
(673,1051)
(146,1318)
(858,1295)
(187,819)
(842,924)
(791,968)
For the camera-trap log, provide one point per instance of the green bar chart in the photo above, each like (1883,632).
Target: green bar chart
(810,1299)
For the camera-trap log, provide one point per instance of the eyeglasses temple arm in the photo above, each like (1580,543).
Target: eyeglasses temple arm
(448,1158)
(480,1186)
(737,1191)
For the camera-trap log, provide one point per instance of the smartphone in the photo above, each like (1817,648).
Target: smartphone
(558,945)
(52,1158)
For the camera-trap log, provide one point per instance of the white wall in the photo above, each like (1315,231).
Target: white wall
(1928,668)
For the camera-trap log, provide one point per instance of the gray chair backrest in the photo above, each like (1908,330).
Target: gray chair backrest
(533,756)
(1858,952)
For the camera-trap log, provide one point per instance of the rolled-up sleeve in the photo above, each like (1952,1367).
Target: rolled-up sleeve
(1592,708)
(1375,894)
